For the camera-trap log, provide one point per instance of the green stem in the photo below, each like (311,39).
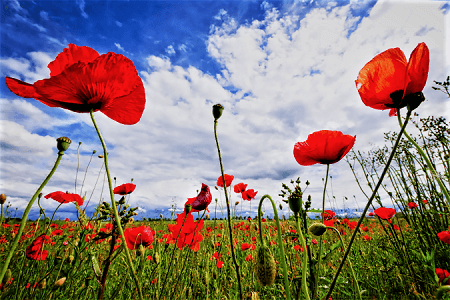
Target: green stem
(305,258)
(25,216)
(114,209)
(427,160)
(233,255)
(280,243)
(319,259)
(374,193)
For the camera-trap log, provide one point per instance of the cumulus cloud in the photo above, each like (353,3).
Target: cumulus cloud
(119,47)
(170,50)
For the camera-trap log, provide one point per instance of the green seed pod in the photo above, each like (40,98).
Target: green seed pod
(317,229)
(63,143)
(217,111)
(265,266)
(295,203)
(187,209)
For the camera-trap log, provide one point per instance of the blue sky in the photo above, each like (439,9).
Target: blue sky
(281,69)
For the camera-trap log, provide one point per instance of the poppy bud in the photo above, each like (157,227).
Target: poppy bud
(60,282)
(100,156)
(187,208)
(156,258)
(42,284)
(265,266)
(141,251)
(281,206)
(236,203)
(295,203)
(63,144)
(2,198)
(71,258)
(207,217)
(217,111)
(317,229)
(7,277)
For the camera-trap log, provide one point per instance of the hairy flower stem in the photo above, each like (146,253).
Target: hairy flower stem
(114,209)
(319,259)
(233,255)
(280,243)
(427,160)
(25,216)
(305,258)
(374,193)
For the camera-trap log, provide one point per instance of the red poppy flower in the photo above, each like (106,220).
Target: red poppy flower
(188,234)
(240,187)
(444,236)
(371,214)
(424,201)
(137,236)
(219,264)
(412,205)
(124,189)
(329,223)
(81,80)
(323,147)
(36,250)
(249,257)
(245,246)
(388,80)
(329,214)
(385,213)
(228,180)
(367,238)
(442,275)
(65,197)
(249,194)
(202,200)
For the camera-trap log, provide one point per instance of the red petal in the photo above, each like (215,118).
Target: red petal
(21,88)
(70,56)
(380,77)
(417,69)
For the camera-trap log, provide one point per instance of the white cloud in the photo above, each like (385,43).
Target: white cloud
(170,50)
(182,48)
(119,47)
(118,24)
(81,5)
(30,70)
(44,15)
(222,12)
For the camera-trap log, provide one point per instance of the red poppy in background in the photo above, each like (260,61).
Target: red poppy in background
(444,236)
(137,236)
(442,275)
(329,214)
(124,189)
(188,235)
(240,187)
(219,264)
(228,180)
(367,238)
(249,194)
(36,250)
(202,200)
(388,80)
(424,201)
(81,80)
(65,197)
(385,213)
(323,147)
(412,205)
(371,214)
(245,246)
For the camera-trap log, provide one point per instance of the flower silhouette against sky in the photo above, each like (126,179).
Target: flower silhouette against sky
(81,80)
(202,200)
(124,189)
(65,197)
(228,180)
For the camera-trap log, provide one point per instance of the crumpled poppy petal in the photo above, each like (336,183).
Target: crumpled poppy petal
(21,88)
(380,77)
(71,55)
(417,70)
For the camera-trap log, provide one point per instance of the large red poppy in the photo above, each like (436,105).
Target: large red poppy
(249,194)
(388,80)
(444,236)
(81,80)
(228,180)
(323,147)
(124,189)
(35,250)
(385,213)
(65,197)
(240,187)
(329,214)
(202,200)
(442,275)
(188,234)
(137,236)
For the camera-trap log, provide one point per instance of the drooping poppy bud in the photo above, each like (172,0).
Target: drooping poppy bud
(317,229)
(265,266)
(60,282)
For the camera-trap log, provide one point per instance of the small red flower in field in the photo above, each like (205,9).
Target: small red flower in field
(228,180)
(388,81)
(124,189)
(365,228)
(263,220)
(137,236)
(298,247)
(219,264)
(412,205)
(249,194)
(155,280)
(81,80)
(202,200)
(442,275)
(240,187)
(352,225)
(444,236)
(245,246)
(329,223)
(367,238)
(314,241)
(149,257)
(329,214)
(66,220)
(190,233)
(36,250)
(249,257)
(57,232)
(385,213)
(8,283)
(63,197)
(323,147)
(216,255)
(424,201)
(397,228)
(371,214)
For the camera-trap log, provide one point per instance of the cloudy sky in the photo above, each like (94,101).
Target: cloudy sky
(281,69)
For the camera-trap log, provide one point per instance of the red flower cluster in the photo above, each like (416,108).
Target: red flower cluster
(385,213)
(202,200)
(36,250)
(323,147)
(329,214)
(124,189)
(442,275)
(412,205)
(187,233)
(142,235)
(246,194)
(66,197)
(388,81)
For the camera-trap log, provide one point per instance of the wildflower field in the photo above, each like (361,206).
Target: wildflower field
(400,251)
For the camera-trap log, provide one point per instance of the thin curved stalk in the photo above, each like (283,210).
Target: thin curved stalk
(305,258)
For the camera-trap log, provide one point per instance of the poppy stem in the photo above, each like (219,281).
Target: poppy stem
(280,244)
(319,259)
(374,193)
(233,255)
(427,160)
(25,216)
(114,208)
(305,257)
